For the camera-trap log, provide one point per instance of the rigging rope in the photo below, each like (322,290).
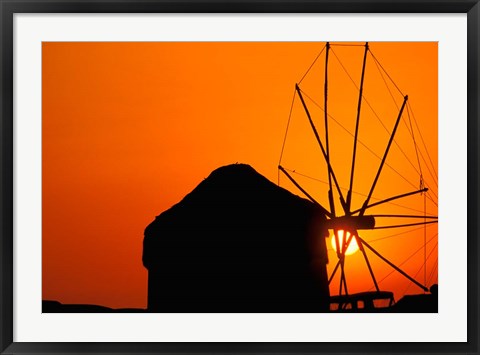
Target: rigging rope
(355,192)
(430,278)
(288,125)
(311,65)
(379,65)
(347,45)
(421,137)
(434,177)
(424,241)
(410,130)
(375,113)
(408,104)
(411,256)
(398,234)
(419,152)
(415,143)
(386,85)
(376,60)
(372,241)
(363,144)
(433,249)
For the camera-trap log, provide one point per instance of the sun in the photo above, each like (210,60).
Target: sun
(352,247)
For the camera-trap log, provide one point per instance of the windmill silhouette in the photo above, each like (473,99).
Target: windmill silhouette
(348,219)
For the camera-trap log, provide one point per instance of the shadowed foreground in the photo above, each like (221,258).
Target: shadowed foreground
(57,307)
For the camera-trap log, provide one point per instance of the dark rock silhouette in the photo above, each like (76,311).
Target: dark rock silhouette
(237,243)
(421,303)
(57,307)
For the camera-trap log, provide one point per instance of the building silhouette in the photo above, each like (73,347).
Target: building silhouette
(237,243)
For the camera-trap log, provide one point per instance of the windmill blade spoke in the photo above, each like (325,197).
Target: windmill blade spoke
(409,257)
(304,191)
(325,155)
(390,199)
(392,265)
(334,272)
(365,204)
(406,225)
(403,216)
(362,249)
(360,98)
(343,279)
(330,192)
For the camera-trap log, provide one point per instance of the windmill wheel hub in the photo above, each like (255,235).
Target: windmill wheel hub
(351,223)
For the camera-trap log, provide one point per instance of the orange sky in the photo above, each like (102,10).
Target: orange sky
(130,128)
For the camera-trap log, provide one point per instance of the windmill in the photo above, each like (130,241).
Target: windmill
(349,218)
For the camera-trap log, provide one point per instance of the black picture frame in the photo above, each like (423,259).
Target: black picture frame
(10,7)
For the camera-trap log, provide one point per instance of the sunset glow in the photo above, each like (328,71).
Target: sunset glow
(128,129)
(343,238)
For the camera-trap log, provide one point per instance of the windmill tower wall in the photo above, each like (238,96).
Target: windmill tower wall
(237,243)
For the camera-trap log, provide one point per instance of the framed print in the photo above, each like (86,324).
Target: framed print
(239,177)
